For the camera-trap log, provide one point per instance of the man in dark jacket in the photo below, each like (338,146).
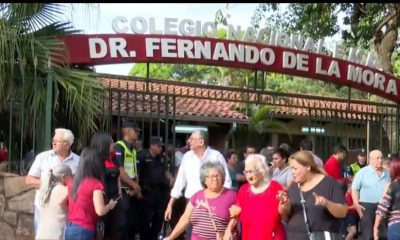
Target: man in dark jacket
(155,181)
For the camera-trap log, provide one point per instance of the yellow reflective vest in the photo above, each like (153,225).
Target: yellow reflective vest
(355,167)
(129,160)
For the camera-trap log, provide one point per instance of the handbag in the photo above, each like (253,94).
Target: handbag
(100,229)
(165,230)
(315,235)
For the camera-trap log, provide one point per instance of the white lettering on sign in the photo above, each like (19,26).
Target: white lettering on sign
(267,56)
(289,60)
(185,48)
(333,69)
(298,61)
(117,45)
(151,45)
(139,25)
(188,27)
(168,48)
(318,66)
(225,51)
(236,52)
(391,87)
(95,43)
(116,27)
(369,78)
(220,52)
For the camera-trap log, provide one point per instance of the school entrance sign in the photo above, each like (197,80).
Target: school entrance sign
(159,48)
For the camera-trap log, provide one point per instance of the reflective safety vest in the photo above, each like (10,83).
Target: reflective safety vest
(129,160)
(355,167)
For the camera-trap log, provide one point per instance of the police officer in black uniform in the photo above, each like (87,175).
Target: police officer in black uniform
(126,156)
(155,181)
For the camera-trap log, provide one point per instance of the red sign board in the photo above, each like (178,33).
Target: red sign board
(132,48)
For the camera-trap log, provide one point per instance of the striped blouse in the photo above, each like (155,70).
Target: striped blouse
(203,228)
(389,205)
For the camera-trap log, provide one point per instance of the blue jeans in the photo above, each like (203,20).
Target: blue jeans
(393,231)
(76,232)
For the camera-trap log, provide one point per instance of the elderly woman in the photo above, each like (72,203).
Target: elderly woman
(323,200)
(208,209)
(260,213)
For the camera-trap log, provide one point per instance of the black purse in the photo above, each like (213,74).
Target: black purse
(100,229)
(316,235)
(165,231)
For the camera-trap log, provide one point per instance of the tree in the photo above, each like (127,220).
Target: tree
(362,22)
(29,51)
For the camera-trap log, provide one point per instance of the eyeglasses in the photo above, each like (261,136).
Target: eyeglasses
(251,172)
(214,176)
(58,141)
(191,139)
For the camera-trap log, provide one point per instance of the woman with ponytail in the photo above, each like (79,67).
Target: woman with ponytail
(53,203)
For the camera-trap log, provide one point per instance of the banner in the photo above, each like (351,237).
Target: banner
(132,48)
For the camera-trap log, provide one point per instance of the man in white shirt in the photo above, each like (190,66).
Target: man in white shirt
(48,160)
(188,176)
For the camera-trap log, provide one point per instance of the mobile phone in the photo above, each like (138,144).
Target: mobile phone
(118,198)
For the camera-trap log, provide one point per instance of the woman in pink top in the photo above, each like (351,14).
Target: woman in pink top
(85,197)
(208,209)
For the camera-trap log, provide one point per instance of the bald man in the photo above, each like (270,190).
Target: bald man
(367,190)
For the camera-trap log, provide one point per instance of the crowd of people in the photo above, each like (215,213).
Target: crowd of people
(120,191)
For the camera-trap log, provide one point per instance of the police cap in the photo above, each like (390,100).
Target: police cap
(156,141)
(132,125)
(362,152)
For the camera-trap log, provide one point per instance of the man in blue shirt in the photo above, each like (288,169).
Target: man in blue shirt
(367,190)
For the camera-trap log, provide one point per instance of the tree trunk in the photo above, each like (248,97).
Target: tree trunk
(385,41)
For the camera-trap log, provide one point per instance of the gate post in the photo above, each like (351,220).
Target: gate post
(48,107)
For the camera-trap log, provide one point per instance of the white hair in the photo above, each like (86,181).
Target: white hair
(261,163)
(67,134)
(53,177)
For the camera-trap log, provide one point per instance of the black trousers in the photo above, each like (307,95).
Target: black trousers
(115,223)
(367,223)
(153,206)
(130,211)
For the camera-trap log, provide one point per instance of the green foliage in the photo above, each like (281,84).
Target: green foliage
(29,49)
(289,84)
(262,121)
(362,22)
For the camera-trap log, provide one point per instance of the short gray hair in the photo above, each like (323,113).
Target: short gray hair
(205,169)
(67,134)
(261,163)
(204,135)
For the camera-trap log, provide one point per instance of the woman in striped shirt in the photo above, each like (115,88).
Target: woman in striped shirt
(208,209)
(389,206)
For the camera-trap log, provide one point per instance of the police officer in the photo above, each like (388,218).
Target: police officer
(155,181)
(361,162)
(126,155)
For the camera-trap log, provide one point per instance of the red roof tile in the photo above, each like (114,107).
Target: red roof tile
(190,101)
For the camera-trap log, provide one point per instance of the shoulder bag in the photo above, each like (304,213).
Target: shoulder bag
(315,235)
(219,235)
(100,229)
(165,230)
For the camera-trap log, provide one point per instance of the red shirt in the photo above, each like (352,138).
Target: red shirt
(259,216)
(81,211)
(349,202)
(333,169)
